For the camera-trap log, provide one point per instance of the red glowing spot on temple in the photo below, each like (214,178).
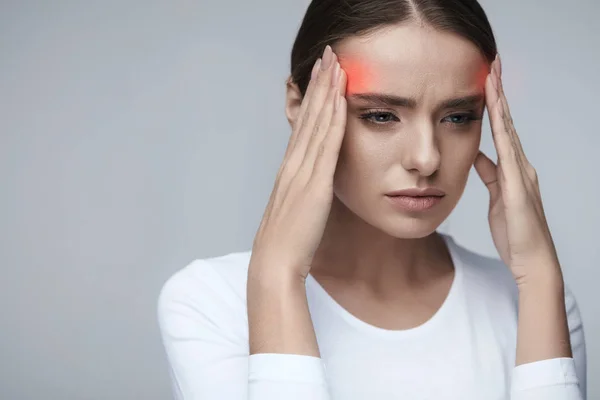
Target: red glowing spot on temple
(482,76)
(359,76)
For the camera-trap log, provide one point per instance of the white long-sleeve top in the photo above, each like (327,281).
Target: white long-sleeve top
(466,351)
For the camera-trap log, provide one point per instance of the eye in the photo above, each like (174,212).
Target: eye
(379,117)
(462,119)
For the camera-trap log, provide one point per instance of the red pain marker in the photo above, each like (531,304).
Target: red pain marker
(359,77)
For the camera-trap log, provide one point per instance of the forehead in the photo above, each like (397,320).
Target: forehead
(412,60)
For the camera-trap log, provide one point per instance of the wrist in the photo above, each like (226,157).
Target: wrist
(541,276)
(278,315)
(274,278)
(543,331)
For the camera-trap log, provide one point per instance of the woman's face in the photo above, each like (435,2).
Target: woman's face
(389,146)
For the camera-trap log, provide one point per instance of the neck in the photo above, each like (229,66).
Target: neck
(358,254)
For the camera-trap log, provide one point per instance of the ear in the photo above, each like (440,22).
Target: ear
(293,101)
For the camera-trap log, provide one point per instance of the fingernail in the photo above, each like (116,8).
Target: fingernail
(498,81)
(496,64)
(327,57)
(313,74)
(499,65)
(493,78)
(336,74)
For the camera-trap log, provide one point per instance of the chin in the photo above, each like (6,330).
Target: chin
(409,228)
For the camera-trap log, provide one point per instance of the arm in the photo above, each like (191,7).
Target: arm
(551,360)
(203,326)
(284,356)
(283,362)
(545,368)
(278,316)
(542,328)
(280,327)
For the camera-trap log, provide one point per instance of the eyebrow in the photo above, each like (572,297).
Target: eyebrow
(398,101)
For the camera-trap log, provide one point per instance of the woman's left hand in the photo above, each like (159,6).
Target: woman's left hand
(516,215)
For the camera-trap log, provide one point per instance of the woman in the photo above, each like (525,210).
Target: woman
(349,292)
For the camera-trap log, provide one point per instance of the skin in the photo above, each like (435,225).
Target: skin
(328,215)
(384,253)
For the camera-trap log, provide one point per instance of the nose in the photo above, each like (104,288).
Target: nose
(421,152)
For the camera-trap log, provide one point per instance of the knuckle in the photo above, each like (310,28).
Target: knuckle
(321,150)
(316,129)
(284,178)
(511,154)
(332,90)
(283,168)
(283,171)
(308,113)
(321,78)
(532,172)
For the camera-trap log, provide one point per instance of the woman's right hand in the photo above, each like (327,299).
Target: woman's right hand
(295,217)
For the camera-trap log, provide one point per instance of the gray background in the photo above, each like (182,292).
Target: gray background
(137,136)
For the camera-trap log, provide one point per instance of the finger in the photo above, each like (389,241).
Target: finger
(290,162)
(338,83)
(527,169)
(302,112)
(308,126)
(343,82)
(289,166)
(326,162)
(528,173)
(316,100)
(321,128)
(508,121)
(507,156)
(487,171)
(320,77)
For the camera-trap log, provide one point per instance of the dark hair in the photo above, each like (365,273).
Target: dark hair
(329,21)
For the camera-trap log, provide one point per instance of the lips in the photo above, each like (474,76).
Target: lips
(416,199)
(418,192)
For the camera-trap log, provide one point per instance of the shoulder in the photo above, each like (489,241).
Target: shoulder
(226,271)
(210,289)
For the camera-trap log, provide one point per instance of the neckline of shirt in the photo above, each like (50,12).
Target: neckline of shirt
(449,302)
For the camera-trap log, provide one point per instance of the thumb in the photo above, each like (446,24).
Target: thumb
(487,171)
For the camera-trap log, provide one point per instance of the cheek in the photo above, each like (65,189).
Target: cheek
(363,152)
(473,143)
(459,152)
(361,161)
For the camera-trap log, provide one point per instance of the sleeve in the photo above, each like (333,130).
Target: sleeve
(203,324)
(557,378)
